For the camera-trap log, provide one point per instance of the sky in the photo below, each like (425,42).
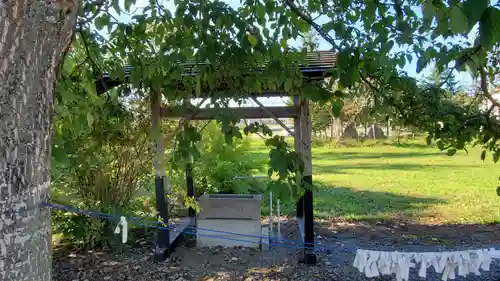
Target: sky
(462,78)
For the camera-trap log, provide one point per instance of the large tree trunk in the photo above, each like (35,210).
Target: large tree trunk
(34,36)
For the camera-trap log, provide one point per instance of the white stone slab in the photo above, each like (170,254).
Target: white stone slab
(230,206)
(207,238)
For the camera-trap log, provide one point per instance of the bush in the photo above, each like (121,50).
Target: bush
(219,164)
(100,167)
(321,141)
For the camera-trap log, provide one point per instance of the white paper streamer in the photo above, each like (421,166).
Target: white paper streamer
(375,263)
(123,228)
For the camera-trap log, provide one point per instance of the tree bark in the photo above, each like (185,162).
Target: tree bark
(34,36)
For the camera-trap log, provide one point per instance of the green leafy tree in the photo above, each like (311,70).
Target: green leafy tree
(310,41)
(101,152)
(446,80)
(321,117)
(220,164)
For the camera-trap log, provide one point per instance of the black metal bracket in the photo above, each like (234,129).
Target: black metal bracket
(190,187)
(305,211)
(163,238)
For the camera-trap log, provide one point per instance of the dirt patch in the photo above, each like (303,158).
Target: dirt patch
(410,234)
(216,264)
(191,263)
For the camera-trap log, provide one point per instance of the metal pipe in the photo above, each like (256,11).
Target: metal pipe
(279,217)
(270,213)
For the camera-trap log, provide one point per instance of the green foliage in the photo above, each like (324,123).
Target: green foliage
(321,118)
(81,230)
(101,156)
(101,168)
(466,100)
(218,164)
(337,106)
(320,142)
(186,145)
(445,80)
(310,41)
(287,168)
(256,127)
(225,46)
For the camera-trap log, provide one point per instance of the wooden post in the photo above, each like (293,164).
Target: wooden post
(162,245)
(305,208)
(298,148)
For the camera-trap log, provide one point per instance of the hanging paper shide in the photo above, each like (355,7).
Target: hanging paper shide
(376,263)
(123,228)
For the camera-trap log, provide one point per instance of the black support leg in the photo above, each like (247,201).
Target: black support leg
(163,243)
(300,207)
(190,187)
(309,254)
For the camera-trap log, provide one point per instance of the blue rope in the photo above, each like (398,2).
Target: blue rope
(255,236)
(138,221)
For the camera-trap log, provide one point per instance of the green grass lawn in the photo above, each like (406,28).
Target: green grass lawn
(409,182)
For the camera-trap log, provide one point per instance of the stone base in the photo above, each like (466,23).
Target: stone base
(205,238)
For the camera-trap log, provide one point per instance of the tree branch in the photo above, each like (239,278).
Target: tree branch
(262,137)
(99,4)
(401,111)
(318,17)
(294,8)
(486,92)
(94,64)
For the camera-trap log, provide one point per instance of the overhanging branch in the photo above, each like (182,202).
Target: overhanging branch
(294,8)
(486,92)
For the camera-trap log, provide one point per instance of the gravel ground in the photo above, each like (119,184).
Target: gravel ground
(211,264)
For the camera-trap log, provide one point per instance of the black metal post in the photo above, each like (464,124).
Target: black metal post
(163,243)
(300,207)
(308,211)
(190,187)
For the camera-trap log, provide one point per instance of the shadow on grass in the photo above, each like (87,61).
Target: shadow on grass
(340,155)
(348,203)
(342,169)
(413,145)
(403,143)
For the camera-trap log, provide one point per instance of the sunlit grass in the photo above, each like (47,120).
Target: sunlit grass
(409,182)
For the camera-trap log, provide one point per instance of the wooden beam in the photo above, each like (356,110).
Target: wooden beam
(241,112)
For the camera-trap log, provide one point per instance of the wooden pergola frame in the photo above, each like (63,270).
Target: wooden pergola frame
(318,67)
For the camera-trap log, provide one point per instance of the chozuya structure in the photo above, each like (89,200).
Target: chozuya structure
(317,66)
